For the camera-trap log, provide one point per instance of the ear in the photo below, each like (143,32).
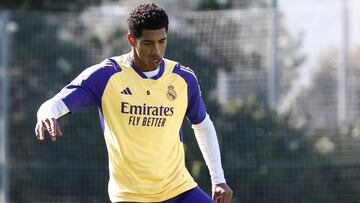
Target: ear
(131,39)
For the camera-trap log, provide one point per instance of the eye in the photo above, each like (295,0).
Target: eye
(147,43)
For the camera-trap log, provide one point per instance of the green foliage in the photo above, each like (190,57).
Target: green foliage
(41,64)
(181,49)
(213,5)
(265,159)
(48,5)
(264,152)
(228,4)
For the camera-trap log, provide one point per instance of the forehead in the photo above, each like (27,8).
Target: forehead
(153,34)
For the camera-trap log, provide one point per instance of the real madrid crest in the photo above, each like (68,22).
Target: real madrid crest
(171,94)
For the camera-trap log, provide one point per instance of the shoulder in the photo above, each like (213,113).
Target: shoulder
(119,61)
(175,67)
(186,73)
(100,71)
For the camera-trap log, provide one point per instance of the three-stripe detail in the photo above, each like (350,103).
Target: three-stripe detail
(126,91)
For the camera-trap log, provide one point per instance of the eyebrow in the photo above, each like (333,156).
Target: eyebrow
(147,40)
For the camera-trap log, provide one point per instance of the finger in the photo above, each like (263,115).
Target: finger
(53,129)
(48,127)
(229,197)
(214,192)
(222,197)
(58,129)
(40,130)
(214,195)
(217,196)
(37,131)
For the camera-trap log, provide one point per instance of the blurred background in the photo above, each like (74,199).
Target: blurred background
(280,79)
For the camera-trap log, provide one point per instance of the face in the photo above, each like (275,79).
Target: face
(149,49)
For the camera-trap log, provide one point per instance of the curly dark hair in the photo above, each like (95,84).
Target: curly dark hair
(147,17)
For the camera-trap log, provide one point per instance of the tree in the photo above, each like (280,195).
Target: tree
(230,4)
(42,62)
(258,146)
(48,5)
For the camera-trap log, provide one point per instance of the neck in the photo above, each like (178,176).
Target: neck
(138,62)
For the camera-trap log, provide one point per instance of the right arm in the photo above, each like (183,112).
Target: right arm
(85,90)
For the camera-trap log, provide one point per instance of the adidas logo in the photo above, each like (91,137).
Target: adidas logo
(126,91)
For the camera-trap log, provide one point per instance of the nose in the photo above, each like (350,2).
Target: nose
(156,49)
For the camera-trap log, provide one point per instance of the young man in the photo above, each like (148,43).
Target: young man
(142,99)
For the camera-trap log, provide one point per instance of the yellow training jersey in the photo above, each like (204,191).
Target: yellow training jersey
(141,118)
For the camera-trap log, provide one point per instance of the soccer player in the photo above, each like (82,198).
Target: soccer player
(142,99)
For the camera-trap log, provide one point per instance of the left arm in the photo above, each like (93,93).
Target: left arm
(205,135)
(207,140)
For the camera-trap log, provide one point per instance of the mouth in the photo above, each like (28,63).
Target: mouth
(156,60)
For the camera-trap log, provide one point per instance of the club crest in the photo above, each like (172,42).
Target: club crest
(171,94)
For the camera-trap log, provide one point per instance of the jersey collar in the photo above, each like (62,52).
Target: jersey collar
(139,72)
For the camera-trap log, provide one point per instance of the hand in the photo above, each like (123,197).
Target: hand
(222,193)
(51,125)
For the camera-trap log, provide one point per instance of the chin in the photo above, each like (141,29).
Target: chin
(153,66)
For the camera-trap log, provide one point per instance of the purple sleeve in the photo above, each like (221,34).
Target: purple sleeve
(87,89)
(196,110)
